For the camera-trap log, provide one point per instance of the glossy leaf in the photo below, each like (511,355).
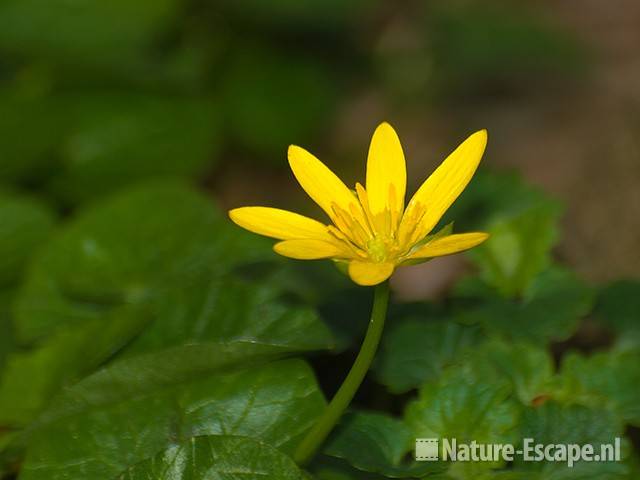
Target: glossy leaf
(216,456)
(275,403)
(229,310)
(128,249)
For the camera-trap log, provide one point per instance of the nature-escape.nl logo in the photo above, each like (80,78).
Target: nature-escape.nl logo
(430,449)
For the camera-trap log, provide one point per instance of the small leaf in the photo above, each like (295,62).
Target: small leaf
(550,309)
(216,456)
(518,249)
(377,443)
(607,379)
(461,404)
(529,369)
(415,350)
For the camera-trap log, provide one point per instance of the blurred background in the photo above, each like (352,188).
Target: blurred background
(99,267)
(96,95)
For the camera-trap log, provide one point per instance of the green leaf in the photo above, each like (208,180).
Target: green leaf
(377,443)
(552,424)
(461,404)
(227,309)
(222,456)
(130,248)
(518,249)
(274,403)
(32,377)
(26,223)
(607,379)
(529,369)
(118,139)
(416,350)
(550,309)
(618,307)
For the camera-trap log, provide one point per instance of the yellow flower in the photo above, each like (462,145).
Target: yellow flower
(372,230)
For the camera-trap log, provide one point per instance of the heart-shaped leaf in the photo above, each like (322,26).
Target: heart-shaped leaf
(110,431)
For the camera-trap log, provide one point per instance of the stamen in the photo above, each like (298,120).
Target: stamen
(341,237)
(350,226)
(394,209)
(363,197)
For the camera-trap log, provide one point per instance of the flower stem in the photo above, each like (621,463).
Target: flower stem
(347,390)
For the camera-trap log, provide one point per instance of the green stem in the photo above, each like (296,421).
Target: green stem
(347,390)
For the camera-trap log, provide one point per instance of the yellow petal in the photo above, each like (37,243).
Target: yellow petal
(311,249)
(279,224)
(442,188)
(320,183)
(386,171)
(369,273)
(449,244)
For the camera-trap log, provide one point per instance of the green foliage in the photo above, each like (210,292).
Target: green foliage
(415,350)
(550,309)
(148,336)
(607,379)
(274,403)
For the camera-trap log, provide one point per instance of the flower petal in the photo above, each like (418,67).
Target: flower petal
(386,171)
(449,245)
(442,188)
(369,273)
(279,224)
(320,183)
(311,249)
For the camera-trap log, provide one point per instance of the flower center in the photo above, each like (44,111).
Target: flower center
(377,249)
